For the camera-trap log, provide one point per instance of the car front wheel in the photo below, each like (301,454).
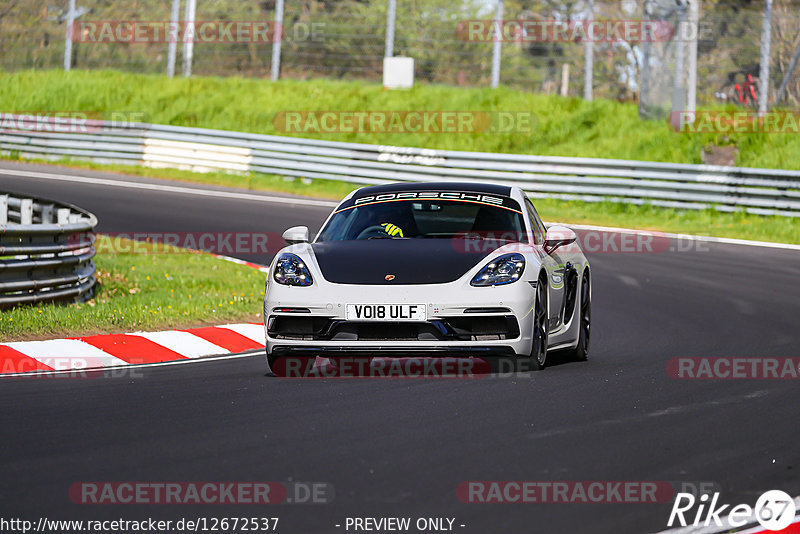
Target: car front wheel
(538,356)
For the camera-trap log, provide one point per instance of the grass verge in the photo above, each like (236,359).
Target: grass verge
(560,126)
(163,289)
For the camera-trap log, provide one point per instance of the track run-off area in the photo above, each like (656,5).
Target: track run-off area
(403,447)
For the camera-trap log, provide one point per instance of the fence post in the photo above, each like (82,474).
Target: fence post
(498,41)
(644,78)
(275,68)
(694,21)
(390,18)
(68,39)
(678,95)
(188,45)
(588,59)
(763,73)
(174,31)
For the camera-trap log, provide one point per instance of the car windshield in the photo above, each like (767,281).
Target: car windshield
(426,219)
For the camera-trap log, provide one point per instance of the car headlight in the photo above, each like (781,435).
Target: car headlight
(291,271)
(501,270)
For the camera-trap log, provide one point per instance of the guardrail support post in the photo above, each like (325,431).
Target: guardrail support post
(3,209)
(26,211)
(63,215)
(47,213)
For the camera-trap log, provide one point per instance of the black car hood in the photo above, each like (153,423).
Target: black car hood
(411,261)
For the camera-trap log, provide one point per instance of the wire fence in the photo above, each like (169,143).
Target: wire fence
(346,40)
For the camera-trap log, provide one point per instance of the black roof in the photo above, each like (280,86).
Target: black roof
(470,187)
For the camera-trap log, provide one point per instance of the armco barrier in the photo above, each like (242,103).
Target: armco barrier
(760,191)
(46,251)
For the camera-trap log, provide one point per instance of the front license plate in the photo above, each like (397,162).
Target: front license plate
(386,312)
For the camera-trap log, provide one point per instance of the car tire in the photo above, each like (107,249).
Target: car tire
(271,361)
(277,365)
(584,310)
(538,357)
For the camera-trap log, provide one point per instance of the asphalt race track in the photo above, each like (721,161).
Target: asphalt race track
(401,447)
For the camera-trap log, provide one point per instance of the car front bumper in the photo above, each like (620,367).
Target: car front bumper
(461,320)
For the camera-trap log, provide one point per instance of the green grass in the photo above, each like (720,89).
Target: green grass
(564,126)
(169,289)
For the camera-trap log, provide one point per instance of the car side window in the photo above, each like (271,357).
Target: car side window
(536,223)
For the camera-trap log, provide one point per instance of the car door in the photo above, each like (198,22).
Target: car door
(554,266)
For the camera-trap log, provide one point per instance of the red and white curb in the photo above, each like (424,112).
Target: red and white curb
(138,348)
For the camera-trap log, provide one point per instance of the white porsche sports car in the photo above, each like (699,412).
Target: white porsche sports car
(441,269)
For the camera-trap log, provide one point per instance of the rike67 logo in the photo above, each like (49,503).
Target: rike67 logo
(774,510)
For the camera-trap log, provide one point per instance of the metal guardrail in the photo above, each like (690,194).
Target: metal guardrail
(759,191)
(46,251)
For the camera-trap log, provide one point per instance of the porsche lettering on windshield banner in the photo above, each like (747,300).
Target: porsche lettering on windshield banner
(457,196)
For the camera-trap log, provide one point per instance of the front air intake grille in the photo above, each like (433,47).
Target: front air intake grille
(462,328)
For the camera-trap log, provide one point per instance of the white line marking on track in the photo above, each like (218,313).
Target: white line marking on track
(183,343)
(171,188)
(629,280)
(256,352)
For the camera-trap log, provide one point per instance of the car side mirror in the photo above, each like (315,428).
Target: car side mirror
(296,234)
(558,236)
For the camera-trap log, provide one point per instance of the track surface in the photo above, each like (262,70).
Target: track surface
(400,447)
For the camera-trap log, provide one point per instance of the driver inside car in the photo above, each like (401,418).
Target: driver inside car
(392,229)
(398,221)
